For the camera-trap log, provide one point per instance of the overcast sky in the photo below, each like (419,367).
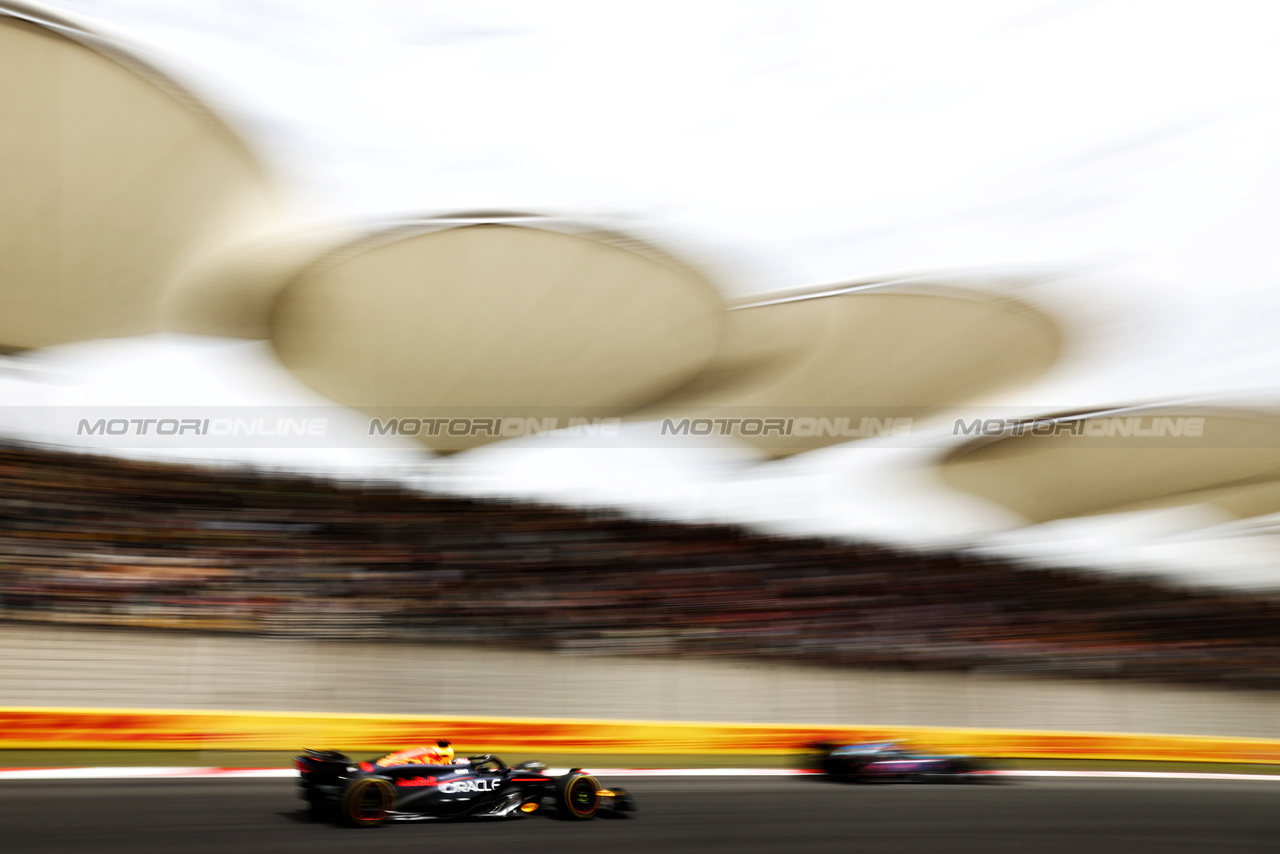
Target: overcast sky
(1124,152)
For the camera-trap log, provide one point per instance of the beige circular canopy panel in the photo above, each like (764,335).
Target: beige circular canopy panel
(836,366)
(1125,459)
(113,180)
(492,331)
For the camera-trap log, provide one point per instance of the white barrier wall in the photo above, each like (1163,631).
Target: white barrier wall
(117,668)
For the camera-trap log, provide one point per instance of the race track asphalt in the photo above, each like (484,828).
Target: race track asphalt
(729,814)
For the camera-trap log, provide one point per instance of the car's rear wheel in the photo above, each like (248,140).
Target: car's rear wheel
(842,768)
(318,808)
(368,802)
(578,795)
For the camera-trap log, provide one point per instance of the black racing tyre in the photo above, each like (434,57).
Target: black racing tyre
(968,770)
(368,802)
(841,768)
(578,795)
(318,808)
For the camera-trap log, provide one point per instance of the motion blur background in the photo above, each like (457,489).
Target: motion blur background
(1109,166)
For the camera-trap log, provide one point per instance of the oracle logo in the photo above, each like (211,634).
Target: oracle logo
(458,786)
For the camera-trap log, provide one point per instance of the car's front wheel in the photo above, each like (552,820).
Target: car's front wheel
(578,794)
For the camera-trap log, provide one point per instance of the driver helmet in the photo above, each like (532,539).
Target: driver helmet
(441,752)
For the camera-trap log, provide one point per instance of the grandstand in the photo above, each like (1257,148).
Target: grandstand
(97,541)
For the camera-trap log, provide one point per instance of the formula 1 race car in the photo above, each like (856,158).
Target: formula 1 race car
(419,784)
(890,760)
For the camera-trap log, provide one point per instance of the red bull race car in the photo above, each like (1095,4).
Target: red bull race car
(425,783)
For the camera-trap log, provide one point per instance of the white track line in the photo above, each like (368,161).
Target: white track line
(1141,775)
(141,773)
(110,773)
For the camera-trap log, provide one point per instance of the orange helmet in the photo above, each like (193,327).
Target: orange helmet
(442,753)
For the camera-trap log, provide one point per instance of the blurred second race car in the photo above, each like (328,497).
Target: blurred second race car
(894,761)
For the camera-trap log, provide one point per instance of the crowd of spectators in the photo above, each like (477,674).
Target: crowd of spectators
(103,541)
